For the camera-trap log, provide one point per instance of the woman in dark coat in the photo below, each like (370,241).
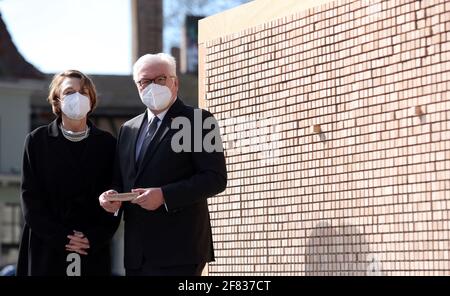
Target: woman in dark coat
(66,166)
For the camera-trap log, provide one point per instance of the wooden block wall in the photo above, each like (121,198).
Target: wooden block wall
(336,125)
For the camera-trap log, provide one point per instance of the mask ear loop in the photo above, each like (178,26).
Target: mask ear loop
(60,103)
(170,88)
(61,100)
(173,79)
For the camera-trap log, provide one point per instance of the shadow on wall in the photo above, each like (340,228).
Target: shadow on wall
(339,251)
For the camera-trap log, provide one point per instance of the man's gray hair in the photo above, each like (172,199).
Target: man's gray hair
(158,58)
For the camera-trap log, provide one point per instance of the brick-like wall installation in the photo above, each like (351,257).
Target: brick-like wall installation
(336,126)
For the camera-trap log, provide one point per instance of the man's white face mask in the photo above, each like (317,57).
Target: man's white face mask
(75,106)
(156,97)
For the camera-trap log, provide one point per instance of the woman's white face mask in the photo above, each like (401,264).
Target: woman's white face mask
(156,97)
(75,106)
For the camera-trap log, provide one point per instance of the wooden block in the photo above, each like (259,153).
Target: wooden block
(317,129)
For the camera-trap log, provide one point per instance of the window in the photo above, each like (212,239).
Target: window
(12,222)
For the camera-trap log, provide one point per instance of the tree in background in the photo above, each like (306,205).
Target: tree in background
(175,12)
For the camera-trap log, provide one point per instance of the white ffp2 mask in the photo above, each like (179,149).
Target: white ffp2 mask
(156,97)
(75,106)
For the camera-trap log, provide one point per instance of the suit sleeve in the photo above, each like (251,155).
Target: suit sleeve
(35,205)
(117,183)
(101,235)
(209,178)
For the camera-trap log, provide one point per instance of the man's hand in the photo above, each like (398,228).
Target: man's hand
(78,243)
(109,206)
(149,198)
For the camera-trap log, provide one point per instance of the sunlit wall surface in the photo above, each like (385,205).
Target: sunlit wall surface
(336,124)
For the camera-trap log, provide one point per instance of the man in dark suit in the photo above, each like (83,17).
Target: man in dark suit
(167,227)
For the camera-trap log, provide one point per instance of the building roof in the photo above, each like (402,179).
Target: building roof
(12,63)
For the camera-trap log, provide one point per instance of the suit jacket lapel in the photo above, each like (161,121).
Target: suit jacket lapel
(135,131)
(160,133)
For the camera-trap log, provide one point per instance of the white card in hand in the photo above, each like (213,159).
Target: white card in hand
(121,196)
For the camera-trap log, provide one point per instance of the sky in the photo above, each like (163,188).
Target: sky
(93,36)
(54,35)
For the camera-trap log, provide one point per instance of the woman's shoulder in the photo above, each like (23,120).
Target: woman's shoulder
(36,138)
(38,132)
(103,135)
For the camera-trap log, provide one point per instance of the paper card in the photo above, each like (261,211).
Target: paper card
(122,196)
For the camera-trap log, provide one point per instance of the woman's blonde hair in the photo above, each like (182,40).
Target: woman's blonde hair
(55,89)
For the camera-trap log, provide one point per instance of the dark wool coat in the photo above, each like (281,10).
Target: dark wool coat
(61,183)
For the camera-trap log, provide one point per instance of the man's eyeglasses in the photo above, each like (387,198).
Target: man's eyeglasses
(161,80)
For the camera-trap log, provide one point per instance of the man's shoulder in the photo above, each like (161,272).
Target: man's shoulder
(133,121)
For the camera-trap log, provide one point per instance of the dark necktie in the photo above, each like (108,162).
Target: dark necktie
(147,140)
